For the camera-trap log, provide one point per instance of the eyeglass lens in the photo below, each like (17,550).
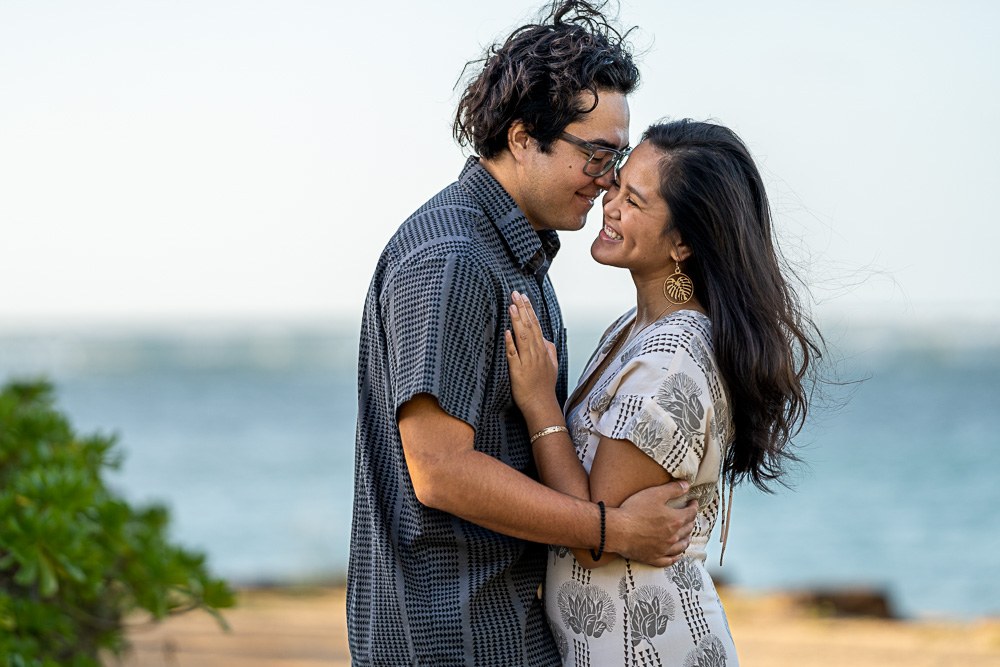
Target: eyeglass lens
(602,162)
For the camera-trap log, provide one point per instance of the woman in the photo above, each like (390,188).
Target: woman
(701,381)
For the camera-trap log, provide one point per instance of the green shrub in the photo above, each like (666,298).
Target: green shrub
(75,560)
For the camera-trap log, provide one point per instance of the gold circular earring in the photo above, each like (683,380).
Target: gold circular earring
(678,287)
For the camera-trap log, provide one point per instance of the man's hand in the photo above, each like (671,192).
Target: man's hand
(645,528)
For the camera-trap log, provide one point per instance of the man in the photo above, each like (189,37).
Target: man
(447,550)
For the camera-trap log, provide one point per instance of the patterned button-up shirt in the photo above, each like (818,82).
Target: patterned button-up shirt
(425,587)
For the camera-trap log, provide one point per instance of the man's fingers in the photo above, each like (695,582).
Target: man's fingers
(678,548)
(692,507)
(678,488)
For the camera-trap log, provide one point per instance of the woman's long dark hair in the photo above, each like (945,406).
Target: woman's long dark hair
(766,346)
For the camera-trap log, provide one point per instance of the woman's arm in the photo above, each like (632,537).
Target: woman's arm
(620,469)
(533,369)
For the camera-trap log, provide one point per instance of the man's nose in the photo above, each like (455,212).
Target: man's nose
(606,181)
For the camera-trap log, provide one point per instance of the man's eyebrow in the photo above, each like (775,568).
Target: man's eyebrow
(605,143)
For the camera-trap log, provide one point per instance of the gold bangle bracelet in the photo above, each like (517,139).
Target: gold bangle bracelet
(548,431)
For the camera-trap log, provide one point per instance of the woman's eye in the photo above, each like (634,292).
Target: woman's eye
(628,200)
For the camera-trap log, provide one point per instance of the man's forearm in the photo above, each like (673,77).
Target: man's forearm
(489,493)
(450,475)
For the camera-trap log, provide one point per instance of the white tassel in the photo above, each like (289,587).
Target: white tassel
(727,512)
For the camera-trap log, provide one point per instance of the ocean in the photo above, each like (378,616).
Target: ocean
(246,433)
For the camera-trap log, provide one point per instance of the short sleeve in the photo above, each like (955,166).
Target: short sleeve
(440,324)
(659,401)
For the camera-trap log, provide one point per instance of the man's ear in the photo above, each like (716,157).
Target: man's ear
(518,139)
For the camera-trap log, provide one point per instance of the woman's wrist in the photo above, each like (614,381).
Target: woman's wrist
(541,417)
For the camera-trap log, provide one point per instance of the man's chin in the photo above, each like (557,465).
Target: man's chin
(566,225)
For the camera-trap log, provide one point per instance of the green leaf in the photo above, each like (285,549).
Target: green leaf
(49,583)
(28,573)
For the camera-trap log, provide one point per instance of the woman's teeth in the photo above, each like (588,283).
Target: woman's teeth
(612,233)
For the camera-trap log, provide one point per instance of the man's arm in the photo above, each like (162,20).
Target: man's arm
(450,475)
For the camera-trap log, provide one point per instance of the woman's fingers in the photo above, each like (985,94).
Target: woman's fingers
(520,331)
(527,311)
(528,335)
(523,315)
(530,310)
(508,341)
(553,353)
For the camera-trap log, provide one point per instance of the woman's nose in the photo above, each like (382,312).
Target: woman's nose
(610,205)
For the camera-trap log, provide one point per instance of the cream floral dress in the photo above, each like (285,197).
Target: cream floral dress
(664,394)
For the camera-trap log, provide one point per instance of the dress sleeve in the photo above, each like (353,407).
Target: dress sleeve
(658,400)
(440,323)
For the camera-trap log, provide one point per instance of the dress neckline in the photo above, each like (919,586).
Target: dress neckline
(612,343)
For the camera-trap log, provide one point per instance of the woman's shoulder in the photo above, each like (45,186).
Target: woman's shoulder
(694,321)
(678,331)
(675,342)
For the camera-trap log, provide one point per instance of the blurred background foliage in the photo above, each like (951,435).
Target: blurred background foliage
(77,562)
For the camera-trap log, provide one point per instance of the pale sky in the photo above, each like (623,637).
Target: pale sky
(170,160)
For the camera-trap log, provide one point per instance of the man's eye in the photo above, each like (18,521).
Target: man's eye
(603,158)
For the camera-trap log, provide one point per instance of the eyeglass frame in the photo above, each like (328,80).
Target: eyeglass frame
(593,149)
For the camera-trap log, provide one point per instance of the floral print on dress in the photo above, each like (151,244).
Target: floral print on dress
(650,608)
(578,434)
(631,352)
(710,652)
(559,552)
(587,610)
(647,433)
(611,338)
(722,424)
(703,493)
(701,355)
(680,397)
(685,575)
(601,403)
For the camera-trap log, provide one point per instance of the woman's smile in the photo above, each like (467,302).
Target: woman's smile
(607,233)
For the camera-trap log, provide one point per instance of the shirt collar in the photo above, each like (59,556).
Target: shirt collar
(533,251)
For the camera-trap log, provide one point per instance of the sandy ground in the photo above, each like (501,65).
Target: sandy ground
(283,628)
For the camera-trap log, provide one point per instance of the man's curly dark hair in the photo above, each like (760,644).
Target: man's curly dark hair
(536,76)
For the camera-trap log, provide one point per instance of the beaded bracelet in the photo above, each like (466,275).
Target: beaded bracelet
(548,431)
(596,555)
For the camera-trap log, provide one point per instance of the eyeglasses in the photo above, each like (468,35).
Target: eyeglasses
(600,159)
